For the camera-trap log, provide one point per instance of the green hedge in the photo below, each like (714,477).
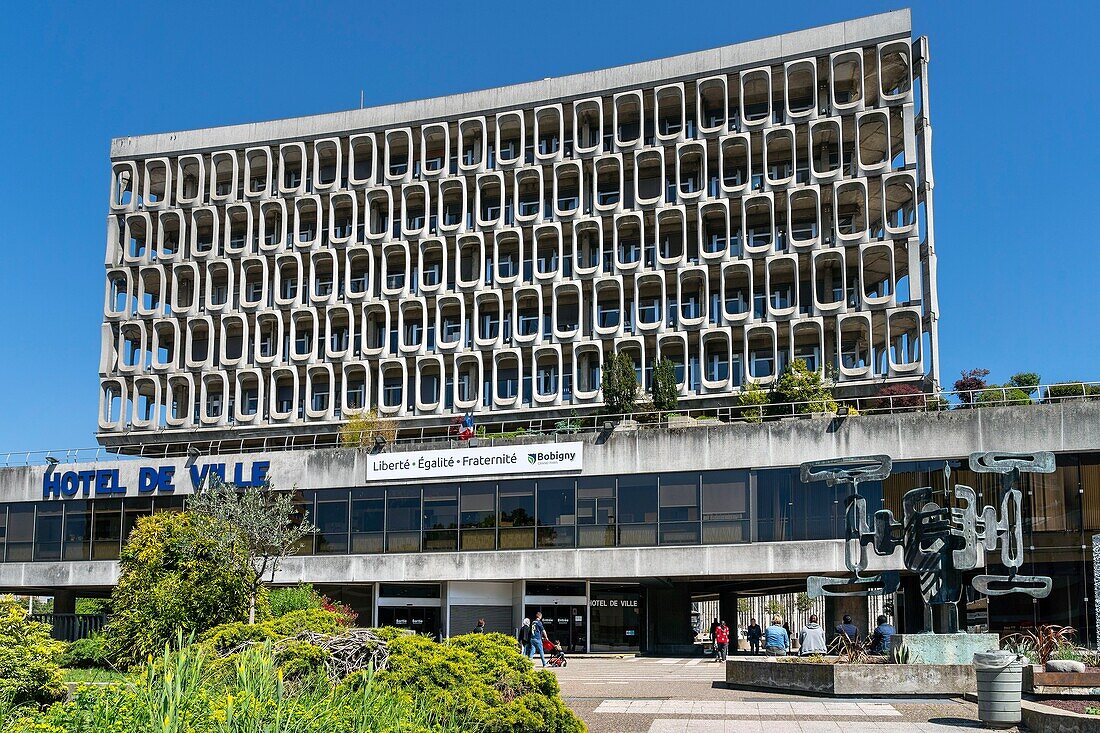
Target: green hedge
(29,668)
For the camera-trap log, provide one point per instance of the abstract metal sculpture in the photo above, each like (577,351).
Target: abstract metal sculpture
(939,543)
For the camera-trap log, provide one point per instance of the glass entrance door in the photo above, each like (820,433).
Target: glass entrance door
(564,624)
(421,619)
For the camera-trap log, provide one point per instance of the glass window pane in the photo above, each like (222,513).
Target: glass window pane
(303,503)
(106,529)
(680,497)
(441,507)
(368,510)
(556,502)
(78,525)
(332,521)
(478,505)
(47,531)
(133,509)
(637,499)
(517,504)
(20,531)
(403,520)
(596,501)
(725,506)
(403,510)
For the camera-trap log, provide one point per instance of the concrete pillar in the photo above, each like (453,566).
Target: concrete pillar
(668,621)
(837,607)
(727,605)
(64,601)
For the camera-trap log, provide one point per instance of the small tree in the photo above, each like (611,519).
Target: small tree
(177,573)
(665,389)
(619,384)
(803,602)
(265,520)
(1025,381)
(898,397)
(996,395)
(752,400)
(969,383)
(799,384)
(30,671)
(360,430)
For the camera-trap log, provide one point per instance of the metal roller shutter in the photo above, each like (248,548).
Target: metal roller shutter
(497,619)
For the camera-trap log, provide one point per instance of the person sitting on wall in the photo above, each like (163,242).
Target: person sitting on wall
(848,629)
(811,640)
(777,641)
(880,639)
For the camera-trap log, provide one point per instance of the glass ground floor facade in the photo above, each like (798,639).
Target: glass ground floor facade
(657,509)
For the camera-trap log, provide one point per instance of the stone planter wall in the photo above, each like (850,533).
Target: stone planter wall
(851,680)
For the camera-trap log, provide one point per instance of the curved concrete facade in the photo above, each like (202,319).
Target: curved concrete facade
(729,210)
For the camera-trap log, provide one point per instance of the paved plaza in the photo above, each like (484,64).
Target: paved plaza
(687,696)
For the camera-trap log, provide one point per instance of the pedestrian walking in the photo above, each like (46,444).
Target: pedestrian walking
(777,641)
(753,634)
(847,629)
(880,639)
(811,640)
(480,627)
(525,637)
(721,641)
(538,633)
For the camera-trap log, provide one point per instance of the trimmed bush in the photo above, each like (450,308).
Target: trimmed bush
(301,597)
(29,658)
(999,396)
(1071,390)
(897,397)
(484,677)
(87,653)
(228,636)
(752,400)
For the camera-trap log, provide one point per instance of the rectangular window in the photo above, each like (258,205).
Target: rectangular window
(47,531)
(403,520)
(725,507)
(637,505)
(106,529)
(78,525)
(556,512)
(517,515)
(332,522)
(478,505)
(596,512)
(440,518)
(368,516)
(679,514)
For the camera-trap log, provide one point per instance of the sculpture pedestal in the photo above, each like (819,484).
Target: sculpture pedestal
(945,648)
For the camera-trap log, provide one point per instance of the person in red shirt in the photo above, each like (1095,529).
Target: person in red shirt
(721,641)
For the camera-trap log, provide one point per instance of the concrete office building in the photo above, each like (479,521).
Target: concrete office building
(729,210)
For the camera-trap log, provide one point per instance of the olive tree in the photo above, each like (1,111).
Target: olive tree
(265,520)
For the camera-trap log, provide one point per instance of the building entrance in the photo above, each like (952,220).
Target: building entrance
(421,619)
(616,618)
(564,623)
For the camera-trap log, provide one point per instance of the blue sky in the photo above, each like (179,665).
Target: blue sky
(1014,110)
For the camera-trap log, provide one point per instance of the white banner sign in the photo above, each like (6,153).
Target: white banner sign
(503,460)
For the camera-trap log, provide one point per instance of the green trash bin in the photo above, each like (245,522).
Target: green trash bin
(1000,677)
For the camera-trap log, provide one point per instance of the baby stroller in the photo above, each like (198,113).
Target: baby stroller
(556,655)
